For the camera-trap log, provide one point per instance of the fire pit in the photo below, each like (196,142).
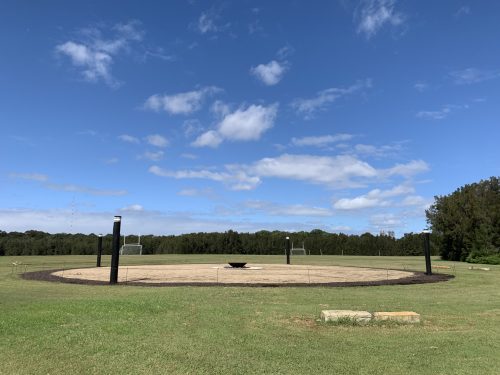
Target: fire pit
(237,265)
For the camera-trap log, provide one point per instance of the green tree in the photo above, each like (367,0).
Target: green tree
(467,222)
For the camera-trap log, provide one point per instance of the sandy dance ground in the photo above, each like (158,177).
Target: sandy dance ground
(253,274)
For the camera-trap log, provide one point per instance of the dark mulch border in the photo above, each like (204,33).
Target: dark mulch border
(419,278)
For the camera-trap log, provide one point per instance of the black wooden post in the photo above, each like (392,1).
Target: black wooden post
(288,250)
(99,250)
(115,255)
(427,252)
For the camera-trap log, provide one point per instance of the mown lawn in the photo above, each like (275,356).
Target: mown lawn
(52,328)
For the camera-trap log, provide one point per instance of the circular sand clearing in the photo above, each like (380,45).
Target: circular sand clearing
(252,274)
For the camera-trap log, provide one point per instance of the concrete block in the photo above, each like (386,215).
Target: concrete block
(398,316)
(334,315)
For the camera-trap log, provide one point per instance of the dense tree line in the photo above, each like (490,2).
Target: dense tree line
(466,223)
(263,242)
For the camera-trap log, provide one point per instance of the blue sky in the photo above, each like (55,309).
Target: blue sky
(187,116)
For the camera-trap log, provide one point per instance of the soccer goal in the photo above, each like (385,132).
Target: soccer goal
(131,248)
(298,250)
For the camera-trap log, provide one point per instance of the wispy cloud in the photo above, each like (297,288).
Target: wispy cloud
(407,170)
(377,151)
(94,53)
(84,189)
(421,86)
(309,107)
(440,114)
(46,183)
(129,138)
(183,103)
(157,140)
(372,15)
(321,141)
(207,22)
(210,22)
(244,124)
(386,221)
(271,73)
(133,208)
(111,161)
(462,11)
(473,75)
(30,176)
(275,209)
(154,156)
(236,180)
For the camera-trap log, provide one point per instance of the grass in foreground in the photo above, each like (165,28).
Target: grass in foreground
(63,328)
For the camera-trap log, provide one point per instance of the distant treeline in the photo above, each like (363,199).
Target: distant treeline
(315,242)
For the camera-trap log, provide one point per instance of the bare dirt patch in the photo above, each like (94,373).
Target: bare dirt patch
(252,275)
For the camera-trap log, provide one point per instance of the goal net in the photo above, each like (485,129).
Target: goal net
(131,249)
(298,250)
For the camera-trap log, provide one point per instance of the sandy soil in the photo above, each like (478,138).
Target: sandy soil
(223,274)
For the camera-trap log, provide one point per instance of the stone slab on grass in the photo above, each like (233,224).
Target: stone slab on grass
(335,315)
(398,316)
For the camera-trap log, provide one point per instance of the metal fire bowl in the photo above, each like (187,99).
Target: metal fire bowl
(237,265)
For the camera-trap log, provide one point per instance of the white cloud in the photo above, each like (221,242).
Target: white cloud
(374,198)
(96,65)
(30,176)
(287,210)
(133,207)
(357,203)
(183,103)
(248,123)
(321,141)
(473,75)
(154,156)
(94,55)
(338,171)
(342,171)
(157,140)
(270,73)
(372,15)
(244,124)
(129,138)
(308,107)
(236,180)
(208,139)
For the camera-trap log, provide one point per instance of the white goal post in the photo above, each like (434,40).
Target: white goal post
(131,248)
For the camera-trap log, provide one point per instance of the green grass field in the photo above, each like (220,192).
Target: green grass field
(52,328)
